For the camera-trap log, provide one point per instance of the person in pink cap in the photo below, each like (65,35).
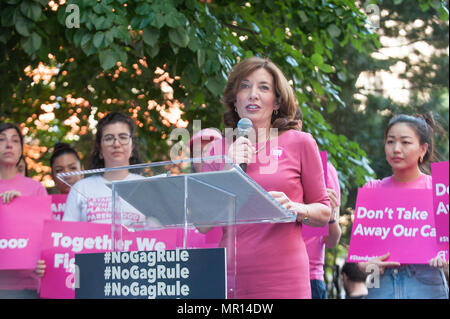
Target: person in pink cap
(14,283)
(199,144)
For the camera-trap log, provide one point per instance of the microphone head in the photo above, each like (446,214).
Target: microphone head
(244,126)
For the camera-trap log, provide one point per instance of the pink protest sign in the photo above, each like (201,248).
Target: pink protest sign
(21,223)
(440,200)
(398,221)
(58,204)
(62,240)
(308,231)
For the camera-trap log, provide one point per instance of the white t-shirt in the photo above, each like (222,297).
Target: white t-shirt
(90,200)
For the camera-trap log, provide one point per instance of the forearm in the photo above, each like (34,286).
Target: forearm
(317,214)
(334,235)
(314,214)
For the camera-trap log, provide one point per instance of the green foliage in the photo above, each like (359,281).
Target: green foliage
(198,42)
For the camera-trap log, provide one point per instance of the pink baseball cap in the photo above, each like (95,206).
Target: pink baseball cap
(206,134)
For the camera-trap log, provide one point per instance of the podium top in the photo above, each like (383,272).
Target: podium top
(176,193)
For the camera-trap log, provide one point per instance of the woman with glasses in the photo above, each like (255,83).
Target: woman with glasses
(90,199)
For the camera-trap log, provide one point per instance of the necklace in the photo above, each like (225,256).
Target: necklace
(262,147)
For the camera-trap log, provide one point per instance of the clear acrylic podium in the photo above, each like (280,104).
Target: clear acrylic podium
(195,196)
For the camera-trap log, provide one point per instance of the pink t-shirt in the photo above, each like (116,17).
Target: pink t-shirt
(27,186)
(271,258)
(20,279)
(315,246)
(423,181)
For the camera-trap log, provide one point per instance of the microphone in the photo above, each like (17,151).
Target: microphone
(244,126)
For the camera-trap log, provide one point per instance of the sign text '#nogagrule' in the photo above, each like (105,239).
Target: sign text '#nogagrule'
(162,269)
(179,273)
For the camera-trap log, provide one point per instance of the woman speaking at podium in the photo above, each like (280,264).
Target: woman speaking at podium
(272,261)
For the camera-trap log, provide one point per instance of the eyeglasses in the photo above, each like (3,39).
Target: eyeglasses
(109,140)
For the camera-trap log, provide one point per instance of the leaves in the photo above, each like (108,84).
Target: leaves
(195,41)
(31,10)
(32,43)
(179,37)
(216,85)
(98,39)
(317,59)
(108,58)
(198,42)
(334,31)
(150,36)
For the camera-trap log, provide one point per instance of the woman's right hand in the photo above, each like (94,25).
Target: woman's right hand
(378,262)
(333,198)
(241,151)
(8,196)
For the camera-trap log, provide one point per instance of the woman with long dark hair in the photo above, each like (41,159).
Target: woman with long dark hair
(409,146)
(15,284)
(115,146)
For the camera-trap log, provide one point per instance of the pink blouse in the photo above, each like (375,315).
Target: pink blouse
(271,259)
(423,181)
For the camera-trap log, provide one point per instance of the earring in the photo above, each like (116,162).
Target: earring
(421,159)
(275,112)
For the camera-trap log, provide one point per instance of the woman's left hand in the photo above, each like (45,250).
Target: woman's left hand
(438,262)
(8,196)
(297,208)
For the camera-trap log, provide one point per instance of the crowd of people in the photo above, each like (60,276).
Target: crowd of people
(274,259)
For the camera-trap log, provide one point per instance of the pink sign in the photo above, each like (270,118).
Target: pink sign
(62,240)
(308,231)
(440,200)
(398,221)
(58,204)
(21,223)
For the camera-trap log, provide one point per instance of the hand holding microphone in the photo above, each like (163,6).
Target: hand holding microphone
(241,151)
